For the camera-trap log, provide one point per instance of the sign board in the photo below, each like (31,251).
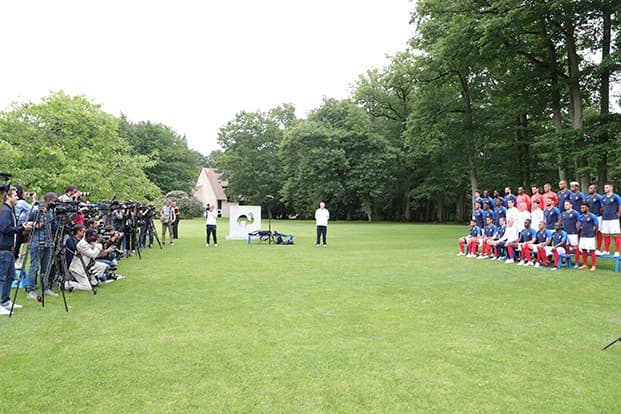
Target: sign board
(243,220)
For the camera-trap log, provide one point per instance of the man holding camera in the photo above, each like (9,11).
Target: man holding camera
(84,268)
(167,216)
(9,232)
(41,246)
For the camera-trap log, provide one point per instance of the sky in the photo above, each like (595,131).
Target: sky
(192,65)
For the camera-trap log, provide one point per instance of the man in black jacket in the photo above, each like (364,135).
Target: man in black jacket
(9,233)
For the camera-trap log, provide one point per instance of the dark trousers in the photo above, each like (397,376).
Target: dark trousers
(322,232)
(175,228)
(211,230)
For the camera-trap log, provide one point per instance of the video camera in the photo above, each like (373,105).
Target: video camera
(5,185)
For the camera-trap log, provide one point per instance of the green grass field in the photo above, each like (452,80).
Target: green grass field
(386,319)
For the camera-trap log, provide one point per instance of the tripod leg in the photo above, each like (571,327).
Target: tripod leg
(19,282)
(156,236)
(61,269)
(612,343)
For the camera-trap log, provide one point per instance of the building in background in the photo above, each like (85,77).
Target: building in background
(210,189)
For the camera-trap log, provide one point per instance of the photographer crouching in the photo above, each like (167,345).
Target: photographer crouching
(85,269)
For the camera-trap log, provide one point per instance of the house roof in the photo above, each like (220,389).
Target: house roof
(218,185)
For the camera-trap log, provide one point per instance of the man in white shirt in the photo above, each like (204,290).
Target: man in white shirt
(322,215)
(512,214)
(211,215)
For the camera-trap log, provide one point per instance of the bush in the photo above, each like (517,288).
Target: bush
(190,207)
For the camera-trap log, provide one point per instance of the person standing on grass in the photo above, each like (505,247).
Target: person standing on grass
(587,224)
(211,216)
(167,216)
(10,231)
(611,211)
(175,223)
(322,215)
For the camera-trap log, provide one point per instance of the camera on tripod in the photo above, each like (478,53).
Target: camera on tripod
(5,185)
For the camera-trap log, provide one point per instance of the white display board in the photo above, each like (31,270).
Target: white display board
(243,220)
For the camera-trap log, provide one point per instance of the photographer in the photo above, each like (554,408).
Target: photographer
(70,194)
(175,223)
(84,268)
(9,232)
(41,245)
(167,216)
(22,210)
(145,221)
(211,216)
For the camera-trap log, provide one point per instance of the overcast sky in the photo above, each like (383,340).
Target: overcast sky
(192,65)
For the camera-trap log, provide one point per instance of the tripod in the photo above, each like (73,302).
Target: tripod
(151,229)
(269,199)
(611,343)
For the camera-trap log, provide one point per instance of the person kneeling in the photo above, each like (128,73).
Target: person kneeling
(84,269)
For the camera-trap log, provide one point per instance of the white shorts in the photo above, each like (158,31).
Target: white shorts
(587,243)
(610,226)
(560,250)
(572,239)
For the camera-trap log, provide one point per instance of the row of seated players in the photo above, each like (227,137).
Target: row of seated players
(606,207)
(535,247)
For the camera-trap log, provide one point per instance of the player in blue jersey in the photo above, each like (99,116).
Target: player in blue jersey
(476,198)
(563,194)
(611,211)
(500,210)
(594,200)
(495,243)
(488,212)
(576,196)
(588,228)
(509,196)
(471,240)
(569,218)
(525,240)
(478,215)
(558,244)
(551,214)
(543,239)
(489,233)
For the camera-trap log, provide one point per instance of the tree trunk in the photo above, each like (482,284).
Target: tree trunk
(576,109)
(604,93)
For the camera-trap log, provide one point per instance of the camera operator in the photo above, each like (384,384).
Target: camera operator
(9,232)
(110,238)
(167,216)
(70,192)
(145,221)
(88,271)
(41,244)
(22,210)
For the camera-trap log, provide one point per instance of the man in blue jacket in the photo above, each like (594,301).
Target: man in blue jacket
(9,233)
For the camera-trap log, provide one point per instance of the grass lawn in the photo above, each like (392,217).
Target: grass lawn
(386,319)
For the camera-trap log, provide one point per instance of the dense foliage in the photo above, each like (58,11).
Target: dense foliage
(488,94)
(69,140)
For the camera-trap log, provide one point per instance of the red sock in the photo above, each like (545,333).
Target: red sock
(496,251)
(526,253)
(607,243)
(593,258)
(474,247)
(599,240)
(556,257)
(544,257)
(576,252)
(584,257)
(510,252)
(462,246)
(617,243)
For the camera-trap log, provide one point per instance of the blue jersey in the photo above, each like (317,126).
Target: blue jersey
(501,231)
(489,213)
(500,211)
(559,238)
(527,235)
(477,200)
(490,231)
(587,225)
(543,235)
(509,197)
(570,218)
(475,231)
(562,197)
(477,215)
(576,200)
(595,203)
(551,216)
(610,205)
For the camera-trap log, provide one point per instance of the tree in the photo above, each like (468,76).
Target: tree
(69,140)
(174,166)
